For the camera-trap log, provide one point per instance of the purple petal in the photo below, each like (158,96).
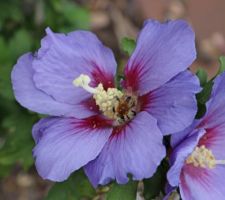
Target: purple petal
(39,128)
(178,137)
(214,139)
(135,149)
(64,145)
(198,183)
(62,58)
(162,51)
(174,104)
(216,105)
(180,154)
(36,100)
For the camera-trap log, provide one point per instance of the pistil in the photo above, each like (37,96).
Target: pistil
(204,158)
(111,102)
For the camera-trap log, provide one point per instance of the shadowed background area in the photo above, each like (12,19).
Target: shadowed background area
(22,25)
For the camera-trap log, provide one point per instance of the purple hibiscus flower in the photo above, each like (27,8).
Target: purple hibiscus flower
(109,132)
(198,156)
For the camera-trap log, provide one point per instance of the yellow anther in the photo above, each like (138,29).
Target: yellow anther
(203,157)
(106,100)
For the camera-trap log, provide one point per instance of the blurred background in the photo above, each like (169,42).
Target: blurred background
(22,25)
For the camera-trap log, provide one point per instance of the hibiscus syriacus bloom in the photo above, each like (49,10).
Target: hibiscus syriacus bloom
(111,132)
(198,158)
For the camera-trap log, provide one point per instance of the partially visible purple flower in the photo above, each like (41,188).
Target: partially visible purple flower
(110,132)
(198,158)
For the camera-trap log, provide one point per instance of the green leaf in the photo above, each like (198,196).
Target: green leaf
(5,82)
(19,143)
(122,192)
(222,65)
(5,170)
(128,45)
(202,75)
(20,43)
(156,184)
(75,15)
(5,52)
(75,188)
(5,71)
(11,9)
(201,111)
(204,95)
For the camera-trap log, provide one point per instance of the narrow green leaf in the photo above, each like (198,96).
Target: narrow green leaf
(222,65)
(128,45)
(122,192)
(204,95)
(202,75)
(156,184)
(201,111)
(75,188)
